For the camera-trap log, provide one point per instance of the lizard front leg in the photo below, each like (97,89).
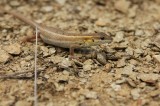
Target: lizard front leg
(71,50)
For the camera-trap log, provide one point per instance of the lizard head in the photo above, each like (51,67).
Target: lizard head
(97,39)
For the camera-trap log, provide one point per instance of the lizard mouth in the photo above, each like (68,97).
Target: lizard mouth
(95,42)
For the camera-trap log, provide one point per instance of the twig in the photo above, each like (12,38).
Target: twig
(15,75)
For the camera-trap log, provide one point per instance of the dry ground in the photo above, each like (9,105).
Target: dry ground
(125,72)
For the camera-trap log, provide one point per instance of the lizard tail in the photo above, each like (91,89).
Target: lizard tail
(19,16)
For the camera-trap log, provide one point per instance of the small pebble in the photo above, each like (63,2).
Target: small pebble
(91,95)
(4,31)
(89,61)
(24,30)
(45,51)
(107,67)
(157,26)
(14,49)
(119,37)
(100,22)
(156,40)
(156,58)
(14,3)
(52,50)
(149,33)
(87,67)
(46,76)
(129,50)
(128,70)
(132,12)
(131,82)
(115,87)
(139,32)
(47,8)
(56,59)
(155,93)
(59,87)
(149,58)
(121,62)
(135,93)
(4,56)
(149,78)
(138,51)
(62,2)
(122,5)
(65,63)
(62,77)
(101,57)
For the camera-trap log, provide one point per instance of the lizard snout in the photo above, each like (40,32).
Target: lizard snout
(104,36)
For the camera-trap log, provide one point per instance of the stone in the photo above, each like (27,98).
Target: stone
(56,59)
(157,26)
(139,32)
(121,62)
(119,37)
(62,2)
(122,5)
(4,56)
(101,57)
(44,50)
(90,94)
(149,78)
(138,51)
(65,63)
(128,70)
(89,61)
(156,41)
(130,51)
(14,3)
(47,8)
(107,67)
(87,67)
(100,22)
(14,49)
(115,87)
(135,93)
(52,50)
(156,58)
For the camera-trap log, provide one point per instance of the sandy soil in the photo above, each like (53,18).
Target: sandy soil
(125,72)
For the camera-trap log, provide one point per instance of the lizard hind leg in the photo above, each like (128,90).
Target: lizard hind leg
(29,38)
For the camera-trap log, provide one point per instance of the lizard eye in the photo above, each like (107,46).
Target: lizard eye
(102,38)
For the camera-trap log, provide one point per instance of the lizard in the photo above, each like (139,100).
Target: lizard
(60,38)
